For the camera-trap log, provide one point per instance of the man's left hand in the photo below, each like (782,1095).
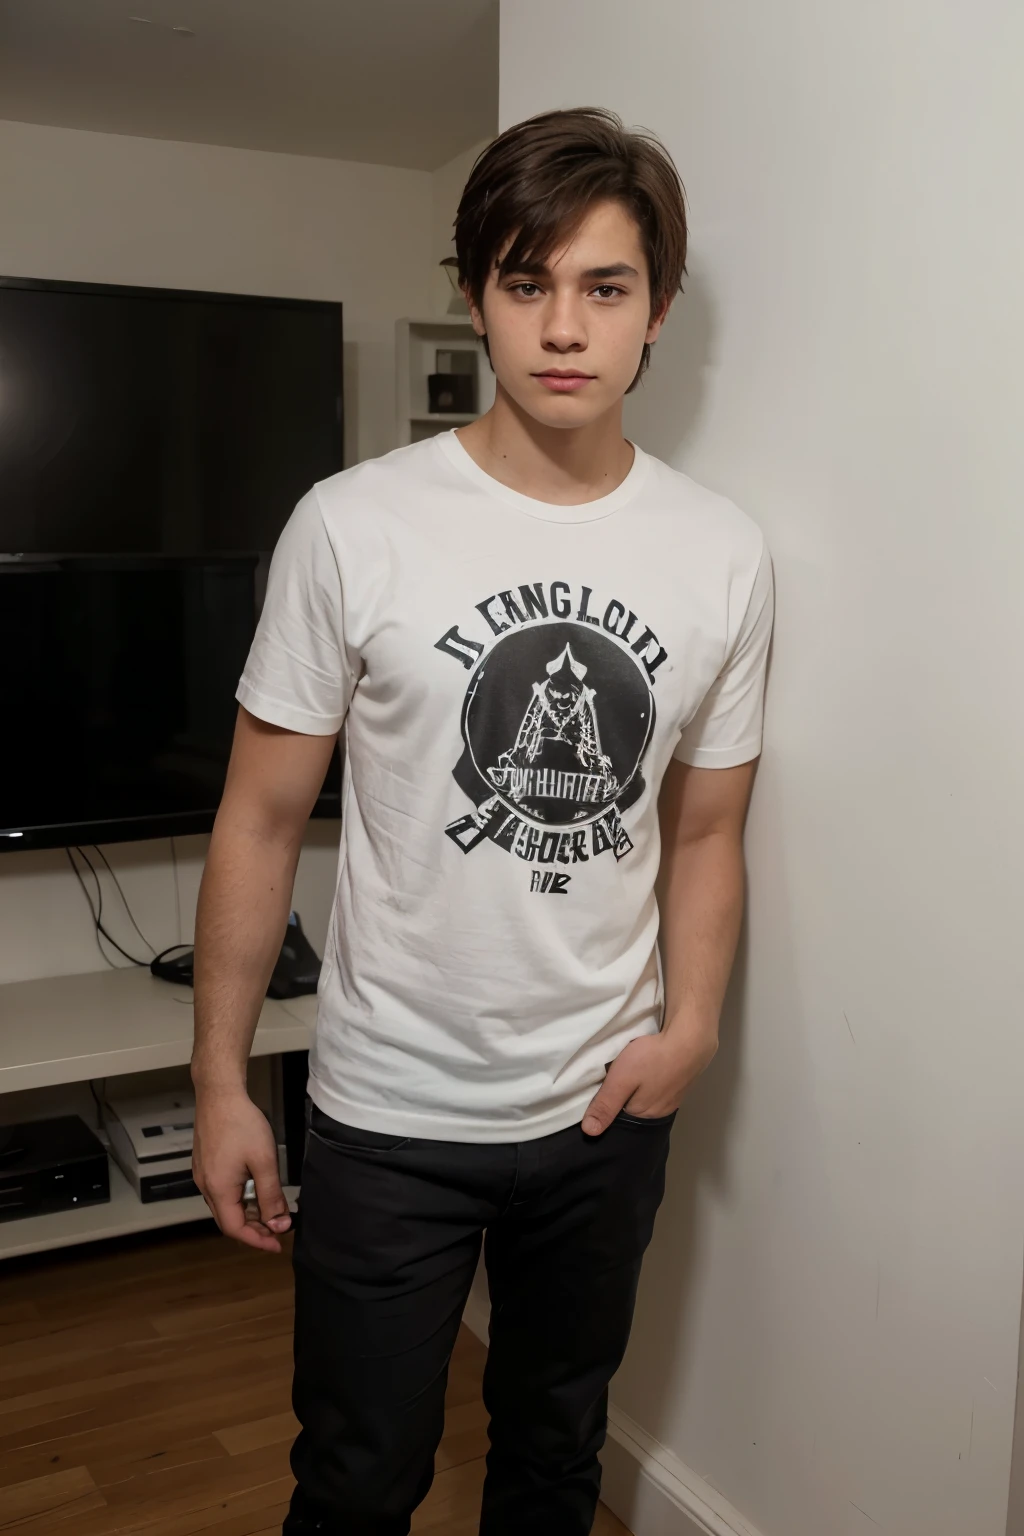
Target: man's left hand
(649,1077)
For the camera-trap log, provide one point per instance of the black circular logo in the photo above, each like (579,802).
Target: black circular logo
(556,722)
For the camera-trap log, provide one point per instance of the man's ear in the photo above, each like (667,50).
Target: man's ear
(657,321)
(474,313)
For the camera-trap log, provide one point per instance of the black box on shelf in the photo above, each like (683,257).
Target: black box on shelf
(453,393)
(51,1165)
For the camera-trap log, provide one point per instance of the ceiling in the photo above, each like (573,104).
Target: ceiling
(392,82)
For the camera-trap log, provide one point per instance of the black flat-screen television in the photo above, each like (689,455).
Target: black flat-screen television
(144,420)
(117,682)
(152,445)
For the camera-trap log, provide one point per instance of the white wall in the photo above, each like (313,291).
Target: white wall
(100,207)
(448,183)
(828,1320)
(46,929)
(1015,1517)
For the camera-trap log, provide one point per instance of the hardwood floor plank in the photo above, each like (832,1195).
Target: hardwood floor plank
(172,1367)
(254,1524)
(238,1438)
(62,1350)
(237,1511)
(145,1391)
(190,1322)
(18,1321)
(243,1393)
(54,1496)
(454,1496)
(606,1524)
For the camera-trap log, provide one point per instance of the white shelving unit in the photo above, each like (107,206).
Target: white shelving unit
(71,1029)
(123,1213)
(416,343)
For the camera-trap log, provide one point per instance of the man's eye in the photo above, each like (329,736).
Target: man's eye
(607,290)
(521,287)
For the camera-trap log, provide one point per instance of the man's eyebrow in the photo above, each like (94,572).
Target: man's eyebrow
(618,269)
(592,274)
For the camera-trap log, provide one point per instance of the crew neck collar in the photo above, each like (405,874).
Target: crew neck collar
(549,511)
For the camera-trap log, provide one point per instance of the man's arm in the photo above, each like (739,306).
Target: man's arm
(701,888)
(273,780)
(700,893)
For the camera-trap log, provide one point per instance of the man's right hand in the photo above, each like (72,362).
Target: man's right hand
(273,779)
(232,1142)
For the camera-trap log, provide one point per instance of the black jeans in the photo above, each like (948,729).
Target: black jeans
(387,1240)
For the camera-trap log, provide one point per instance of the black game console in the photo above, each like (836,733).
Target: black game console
(51,1165)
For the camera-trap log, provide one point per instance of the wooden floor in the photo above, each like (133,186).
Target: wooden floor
(144,1387)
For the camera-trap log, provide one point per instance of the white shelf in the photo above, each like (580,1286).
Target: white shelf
(123,1213)
(446,418)
(416,343)
(439,322)
(65,1029)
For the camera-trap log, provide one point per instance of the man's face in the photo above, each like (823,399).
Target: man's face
(587,313)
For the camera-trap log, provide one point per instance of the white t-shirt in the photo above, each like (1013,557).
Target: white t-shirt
(513,678)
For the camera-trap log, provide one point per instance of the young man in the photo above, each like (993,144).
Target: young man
(547,650)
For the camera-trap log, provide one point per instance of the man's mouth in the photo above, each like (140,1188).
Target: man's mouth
(564,381)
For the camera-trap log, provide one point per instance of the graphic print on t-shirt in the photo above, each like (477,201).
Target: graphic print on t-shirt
(556,722)
(556,769)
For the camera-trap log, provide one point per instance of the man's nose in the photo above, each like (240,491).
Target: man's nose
(564,329)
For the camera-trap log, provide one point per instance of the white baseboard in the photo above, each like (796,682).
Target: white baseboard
(651,1491)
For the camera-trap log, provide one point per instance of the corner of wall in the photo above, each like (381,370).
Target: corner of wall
(447,184)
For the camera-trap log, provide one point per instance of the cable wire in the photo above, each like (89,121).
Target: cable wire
(99,1102)
(97,911)
(177,887)
(124,899)
(92,911)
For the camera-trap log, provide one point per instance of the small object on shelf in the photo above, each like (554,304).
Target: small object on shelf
(296,974)
(151,1141)
(179,969)
(52,1165)
(454,392)
(451,267)
(422,344)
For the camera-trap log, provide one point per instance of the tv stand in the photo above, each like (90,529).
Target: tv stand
(70,1029)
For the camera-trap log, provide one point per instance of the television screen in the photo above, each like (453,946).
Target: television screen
(137,420)
(117,680)
(179,429)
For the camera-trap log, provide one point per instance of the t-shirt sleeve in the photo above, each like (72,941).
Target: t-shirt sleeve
(297,674)
(727,728)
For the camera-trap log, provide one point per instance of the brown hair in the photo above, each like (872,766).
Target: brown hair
(539,178)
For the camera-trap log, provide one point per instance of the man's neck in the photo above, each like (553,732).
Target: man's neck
(562,465)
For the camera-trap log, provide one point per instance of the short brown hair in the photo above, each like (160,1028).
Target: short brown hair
(538,179)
